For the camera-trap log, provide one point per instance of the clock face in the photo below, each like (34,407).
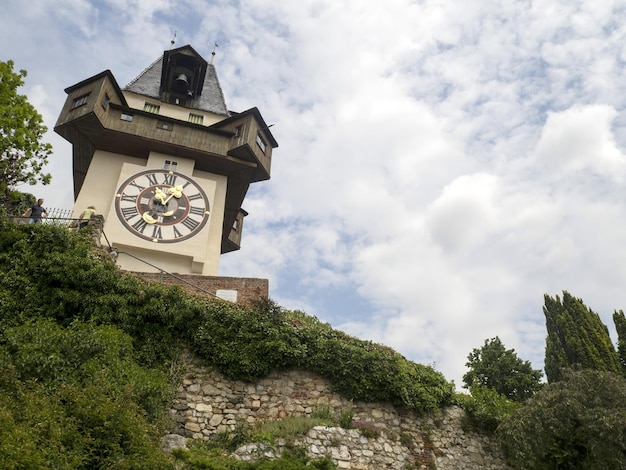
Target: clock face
(162,206)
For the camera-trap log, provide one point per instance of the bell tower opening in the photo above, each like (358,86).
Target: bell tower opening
(182,77)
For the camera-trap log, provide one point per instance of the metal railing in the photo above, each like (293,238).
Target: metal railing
(55,216)
(55,213)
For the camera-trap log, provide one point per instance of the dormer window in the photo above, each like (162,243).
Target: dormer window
(261,143)
(170,165)
(151,108)
(80,101)
(196,118)
(106,99)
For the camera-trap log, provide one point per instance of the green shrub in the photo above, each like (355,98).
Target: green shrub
(289,461)
(288,428)
(73,282)
(485,409)
(247,343)
(322,412)
(368,430)
(79,398)
(81,353)
(35,431)
(345,418)
(407,440)
(578,423)
(362,370)
(70,319)
(200,456)
(76,427)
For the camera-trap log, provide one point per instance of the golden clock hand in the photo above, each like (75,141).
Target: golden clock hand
(160,195)
(148,218)
(176,192)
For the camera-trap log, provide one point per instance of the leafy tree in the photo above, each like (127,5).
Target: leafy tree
(620,325)
(485,408)
(578,423)
(493,366)
(22,153)
(16,202)
(576,338)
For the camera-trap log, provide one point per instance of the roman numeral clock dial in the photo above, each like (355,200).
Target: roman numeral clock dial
(162,206)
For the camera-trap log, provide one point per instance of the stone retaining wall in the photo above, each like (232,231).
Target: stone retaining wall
(207,403)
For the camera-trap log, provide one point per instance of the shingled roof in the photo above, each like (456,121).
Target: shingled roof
(212,98)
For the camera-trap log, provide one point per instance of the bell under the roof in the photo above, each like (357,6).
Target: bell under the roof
(181,76)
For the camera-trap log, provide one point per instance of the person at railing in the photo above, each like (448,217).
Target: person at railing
(85,216)
(36,212)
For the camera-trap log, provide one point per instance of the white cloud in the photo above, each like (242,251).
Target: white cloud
(581,139)
(446,166)
(464,213)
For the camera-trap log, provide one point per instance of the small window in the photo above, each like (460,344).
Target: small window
(261,143)
(126,117)
(80,101)
(105,101)
(196,118)
(238,131)
(166,126)
(152,108)
(169,165)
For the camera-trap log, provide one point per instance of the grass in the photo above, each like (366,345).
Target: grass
(288,428)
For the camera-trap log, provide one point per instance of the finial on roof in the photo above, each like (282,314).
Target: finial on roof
(173,41)
(213,53)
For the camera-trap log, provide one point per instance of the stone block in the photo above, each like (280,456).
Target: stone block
(215,420)
(193,427)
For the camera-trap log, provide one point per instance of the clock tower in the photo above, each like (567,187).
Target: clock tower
(165,162)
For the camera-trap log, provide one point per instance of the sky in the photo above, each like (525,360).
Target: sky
(440,169)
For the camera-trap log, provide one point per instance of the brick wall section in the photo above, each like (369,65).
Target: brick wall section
(247,288)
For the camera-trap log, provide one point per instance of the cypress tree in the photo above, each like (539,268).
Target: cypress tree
(620,325)
(576,338)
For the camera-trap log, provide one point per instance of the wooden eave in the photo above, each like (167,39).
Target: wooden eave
(126,142)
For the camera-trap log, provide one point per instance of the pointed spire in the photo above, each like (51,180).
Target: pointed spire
(173,41)
(213,53)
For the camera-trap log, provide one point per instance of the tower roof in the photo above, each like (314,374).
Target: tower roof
(209,97)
